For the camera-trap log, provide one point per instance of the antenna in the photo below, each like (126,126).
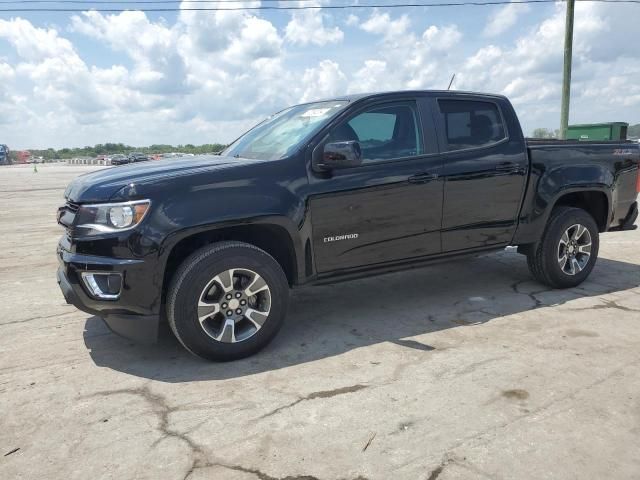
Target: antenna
(451,82)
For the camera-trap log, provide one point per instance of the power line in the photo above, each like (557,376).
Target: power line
(135,2)
(271,7)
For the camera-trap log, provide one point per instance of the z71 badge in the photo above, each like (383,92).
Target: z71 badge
(337,238)
(622,151)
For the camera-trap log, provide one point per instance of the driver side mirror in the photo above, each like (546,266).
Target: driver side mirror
(341,155)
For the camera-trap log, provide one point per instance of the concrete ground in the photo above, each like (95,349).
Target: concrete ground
(474,371)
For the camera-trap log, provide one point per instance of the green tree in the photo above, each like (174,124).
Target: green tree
(545,133)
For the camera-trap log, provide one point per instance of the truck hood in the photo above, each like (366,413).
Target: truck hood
(102,185)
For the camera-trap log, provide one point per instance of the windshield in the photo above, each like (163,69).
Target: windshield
(280,135)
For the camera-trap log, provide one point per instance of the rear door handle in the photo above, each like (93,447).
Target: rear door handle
(423,177)
(509,167)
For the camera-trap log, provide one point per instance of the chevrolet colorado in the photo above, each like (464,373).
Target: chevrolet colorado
(327,191)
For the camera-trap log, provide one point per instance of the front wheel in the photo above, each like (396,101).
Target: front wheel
(568,250)
(227,301)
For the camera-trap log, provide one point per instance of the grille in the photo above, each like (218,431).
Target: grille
(72,207)
(68,220)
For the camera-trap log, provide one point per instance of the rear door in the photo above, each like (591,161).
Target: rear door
(484,169)
(389,208)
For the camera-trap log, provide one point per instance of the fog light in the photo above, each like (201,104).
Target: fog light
(104,286)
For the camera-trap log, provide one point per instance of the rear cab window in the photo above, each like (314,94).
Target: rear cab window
(471,124)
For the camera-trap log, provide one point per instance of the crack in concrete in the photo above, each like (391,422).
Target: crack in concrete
(537,303)
(315,395)
(446,460)
(260,474)
(544,407)
(606,304)
(449,458)
(264,476)
(36,318)
(162,411)
(435,473)
(199,458)
(457,372)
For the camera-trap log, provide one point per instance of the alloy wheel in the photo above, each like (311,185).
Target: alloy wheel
(234,305)
(574,249)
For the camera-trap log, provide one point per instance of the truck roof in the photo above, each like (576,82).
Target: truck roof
(358,96)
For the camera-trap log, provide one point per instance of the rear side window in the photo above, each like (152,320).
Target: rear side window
(471,124)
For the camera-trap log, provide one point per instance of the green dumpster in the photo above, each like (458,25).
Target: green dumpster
(598,131)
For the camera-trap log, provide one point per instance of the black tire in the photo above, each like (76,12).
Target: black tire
(197,272)
(543,259)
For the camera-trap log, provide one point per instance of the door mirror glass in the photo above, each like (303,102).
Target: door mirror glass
(341,155)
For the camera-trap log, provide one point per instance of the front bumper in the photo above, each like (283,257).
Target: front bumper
(129,316)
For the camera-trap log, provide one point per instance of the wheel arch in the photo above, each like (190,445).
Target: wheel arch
(595,201)
(270,235)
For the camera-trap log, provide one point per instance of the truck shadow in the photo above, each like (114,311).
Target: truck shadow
(334,319)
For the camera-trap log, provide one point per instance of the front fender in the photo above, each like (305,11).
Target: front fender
(225,205)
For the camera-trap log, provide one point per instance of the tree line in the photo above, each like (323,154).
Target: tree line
(113,148)
(632,131)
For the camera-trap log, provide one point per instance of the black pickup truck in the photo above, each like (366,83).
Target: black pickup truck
(327,191)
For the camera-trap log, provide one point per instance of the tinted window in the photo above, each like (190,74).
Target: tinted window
(384,132)
(281,134)
(470,124)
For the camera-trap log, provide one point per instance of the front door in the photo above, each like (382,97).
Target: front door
(389,208)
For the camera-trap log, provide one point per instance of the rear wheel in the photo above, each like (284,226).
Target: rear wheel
(227,301)
(568,250)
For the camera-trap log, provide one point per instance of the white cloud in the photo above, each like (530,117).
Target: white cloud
(409,61)
(352,20)
(382,24)
(158,66)
(308,27)
(505,18)
(323,81)
(258,39)
(371,77)
(205,77)
(34,44)
(441,38)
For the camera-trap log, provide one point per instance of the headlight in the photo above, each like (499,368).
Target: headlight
(111,217)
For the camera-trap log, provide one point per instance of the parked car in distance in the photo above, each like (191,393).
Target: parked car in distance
(119,159)
(4,155)
(172,155)
(138,157)
(328,191)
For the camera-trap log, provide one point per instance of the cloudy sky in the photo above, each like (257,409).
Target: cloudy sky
(75,79)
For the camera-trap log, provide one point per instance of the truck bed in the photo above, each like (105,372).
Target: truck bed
(548,142)
(609,166)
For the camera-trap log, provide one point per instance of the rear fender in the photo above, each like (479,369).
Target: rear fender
(549,187)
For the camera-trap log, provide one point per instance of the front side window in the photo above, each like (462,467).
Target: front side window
(281,134)
(384,132)
(471,124)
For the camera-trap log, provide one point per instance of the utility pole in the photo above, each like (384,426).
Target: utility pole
(566,73)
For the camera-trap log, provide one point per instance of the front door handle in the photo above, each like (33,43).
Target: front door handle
(423,177)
